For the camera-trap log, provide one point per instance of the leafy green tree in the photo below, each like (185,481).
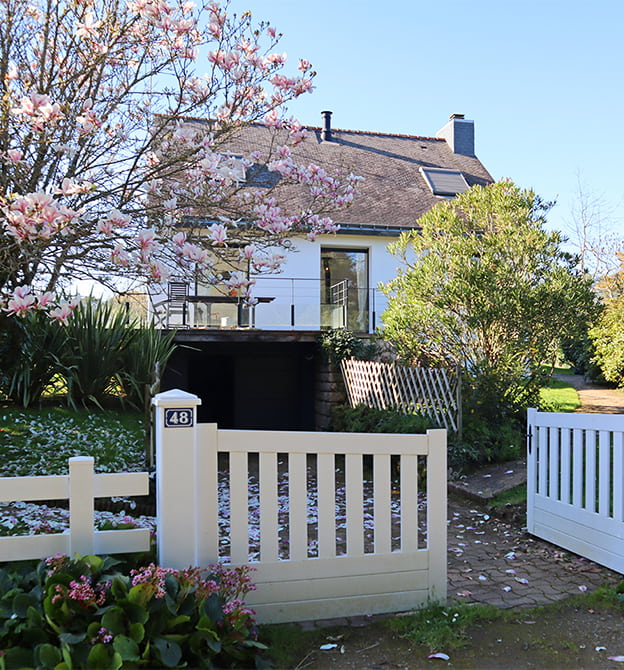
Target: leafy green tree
(607,335)
(484,285)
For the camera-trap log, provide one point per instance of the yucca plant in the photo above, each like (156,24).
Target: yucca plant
(143,363)
(43,347)
(97,337)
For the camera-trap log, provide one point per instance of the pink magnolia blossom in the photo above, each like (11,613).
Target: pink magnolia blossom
(21,302)
(179,239)
(88,29)
(118,218)
(15,155)
(45,299)
(96,132)
(249,252)
(194,253)
(119,256)
(158,270)
(62,312)
(218,233)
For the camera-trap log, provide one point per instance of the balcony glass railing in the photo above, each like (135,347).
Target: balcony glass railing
(283,304)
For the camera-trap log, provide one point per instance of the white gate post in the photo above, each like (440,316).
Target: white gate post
(437,513)
(81,505)
(176,494)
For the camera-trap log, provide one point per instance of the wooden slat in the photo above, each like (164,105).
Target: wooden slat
(52,487)
(566,465)
(553,463)
(604,473)
(578,439)
(355,505)
(542,461)
(618,476)
(121,484)
(326,483)
(269,539)
(239,508)
(298,517)
(409,503)
(590,470)
(281,442)
(382,508)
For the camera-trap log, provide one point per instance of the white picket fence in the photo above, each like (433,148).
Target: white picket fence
(80,487)
(432,392)
(575,495)
(299,473)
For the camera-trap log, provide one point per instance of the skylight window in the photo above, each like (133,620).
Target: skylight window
(444,182)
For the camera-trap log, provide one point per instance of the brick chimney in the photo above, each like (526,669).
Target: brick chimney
(459,135)
(326,132)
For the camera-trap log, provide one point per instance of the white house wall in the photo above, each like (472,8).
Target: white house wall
(300,283)
(295,293)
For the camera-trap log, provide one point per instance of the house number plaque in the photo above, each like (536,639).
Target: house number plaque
(179,418)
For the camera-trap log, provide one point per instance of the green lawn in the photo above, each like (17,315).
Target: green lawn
(40,442)
(559,396)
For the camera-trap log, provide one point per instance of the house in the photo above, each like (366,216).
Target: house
(258,367)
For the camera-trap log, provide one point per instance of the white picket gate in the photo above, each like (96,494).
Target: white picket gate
(575,489)
(298,472)
(80,487)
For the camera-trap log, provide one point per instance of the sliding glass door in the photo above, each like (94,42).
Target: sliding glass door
(344,292)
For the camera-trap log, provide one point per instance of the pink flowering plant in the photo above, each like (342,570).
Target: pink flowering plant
(86,612)
(119,133)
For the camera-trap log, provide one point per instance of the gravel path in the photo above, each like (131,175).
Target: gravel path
(595,398)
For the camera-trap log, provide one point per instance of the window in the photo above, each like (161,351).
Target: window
(344,292)
(443,182)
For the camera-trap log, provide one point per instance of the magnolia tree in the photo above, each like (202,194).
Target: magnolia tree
(100,166)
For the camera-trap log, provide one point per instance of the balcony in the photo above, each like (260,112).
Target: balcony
(282,304)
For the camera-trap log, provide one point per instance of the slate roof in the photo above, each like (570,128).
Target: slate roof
(394,192)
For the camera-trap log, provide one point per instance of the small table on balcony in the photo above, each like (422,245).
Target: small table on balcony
(244,312)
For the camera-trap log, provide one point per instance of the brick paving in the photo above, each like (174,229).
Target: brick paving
(495,561)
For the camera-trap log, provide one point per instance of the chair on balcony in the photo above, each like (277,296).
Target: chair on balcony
(177,303)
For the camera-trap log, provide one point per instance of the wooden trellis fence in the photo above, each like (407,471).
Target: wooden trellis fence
(433,392)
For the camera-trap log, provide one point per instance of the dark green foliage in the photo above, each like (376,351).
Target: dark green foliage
(607,337)
(363,419)
(98,355)
(9,350)
(143,361)
(486,286)
(485,442)
(44,347)
(85,613)
(98,337)
(341,344)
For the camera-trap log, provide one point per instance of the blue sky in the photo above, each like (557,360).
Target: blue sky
(542,79)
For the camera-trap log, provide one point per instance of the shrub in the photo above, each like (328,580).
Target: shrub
(143,361)
(99,354)
(81,612)
(608,341)
(98,336)
(340,344)
(43,355)
(486,442)
(364,419)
